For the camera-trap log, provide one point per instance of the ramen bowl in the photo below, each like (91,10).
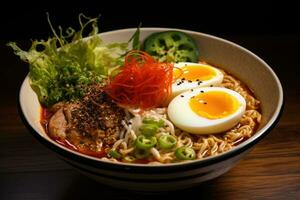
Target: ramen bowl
(236,60)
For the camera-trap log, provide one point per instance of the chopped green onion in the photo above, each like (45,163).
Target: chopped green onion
(148,129)
(185,153)
(114,154)
(167,142)
(141,153)
(143,142)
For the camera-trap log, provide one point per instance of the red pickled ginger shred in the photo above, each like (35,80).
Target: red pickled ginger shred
(143,82)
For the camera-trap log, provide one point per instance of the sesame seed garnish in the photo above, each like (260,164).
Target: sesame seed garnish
(211,85)
(183,79)
(205,103)
(202,91)
(199,83)
(192,90)
(190,81)
(181,95)
(197,80)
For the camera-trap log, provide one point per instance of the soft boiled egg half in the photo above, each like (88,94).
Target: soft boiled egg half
(207,110)
(194,75)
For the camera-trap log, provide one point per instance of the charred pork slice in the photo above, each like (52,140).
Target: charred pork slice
(58,125)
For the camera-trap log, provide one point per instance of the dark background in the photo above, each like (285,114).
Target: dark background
(27,19)
(28,170)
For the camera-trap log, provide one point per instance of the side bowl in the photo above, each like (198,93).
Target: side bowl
(233,58)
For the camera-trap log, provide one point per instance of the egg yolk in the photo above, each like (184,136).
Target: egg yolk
(194,73)
(214,104)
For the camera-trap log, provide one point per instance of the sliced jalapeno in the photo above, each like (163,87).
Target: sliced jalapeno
(159,123)
(141,153)
(172,46)
(185,153)
(129,159)
(167,142)
(148,129)
(143,142)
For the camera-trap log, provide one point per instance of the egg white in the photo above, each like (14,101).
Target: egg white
(183,117)
(185,86)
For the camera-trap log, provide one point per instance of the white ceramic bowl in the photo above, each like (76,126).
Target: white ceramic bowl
(233,58)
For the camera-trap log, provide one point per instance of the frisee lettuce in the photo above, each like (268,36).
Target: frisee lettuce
(67,63)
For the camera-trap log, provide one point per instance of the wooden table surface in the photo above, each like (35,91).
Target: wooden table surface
(28,170)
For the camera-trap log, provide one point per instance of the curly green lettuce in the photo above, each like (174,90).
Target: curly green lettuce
(61,67)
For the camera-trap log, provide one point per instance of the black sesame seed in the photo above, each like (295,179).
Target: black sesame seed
(205,103)
(181,95)
(192,90)
(202,91)
(190,81)
(199,83)
(211,85)
(183,79)
(197,80)
(129,123)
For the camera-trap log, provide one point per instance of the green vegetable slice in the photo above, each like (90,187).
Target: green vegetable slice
(167,142)
(141,153)
(159,123)
(148,129)
(129,159)
(172,46)
(143,142)
(150,126)
(114,154)
(185,153)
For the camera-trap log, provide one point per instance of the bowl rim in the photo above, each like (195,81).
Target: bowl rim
(96,162)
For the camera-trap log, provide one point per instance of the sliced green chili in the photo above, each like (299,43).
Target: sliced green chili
(159,123)
(143,142)
(128,159)
(141,153)
(172,46)
(167,142)
(114,154)
(185,153)
(148,129)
